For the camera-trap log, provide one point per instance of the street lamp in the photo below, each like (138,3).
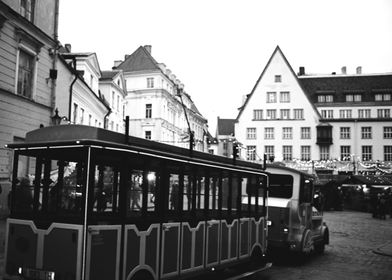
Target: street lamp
(56,119)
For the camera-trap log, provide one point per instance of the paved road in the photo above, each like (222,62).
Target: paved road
(354,239)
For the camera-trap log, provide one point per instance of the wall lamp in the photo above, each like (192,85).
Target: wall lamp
(56,119)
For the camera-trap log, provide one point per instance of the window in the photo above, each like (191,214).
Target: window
(353,97)
(387,132)
(271,114)
(271,97)
(387,153)
(257,114)
(25,72)
(281,186)
(287,152)
(148,111)
(345,153)
(305,152)
(251,133)
(366,153)
(250,152)
(81,115)
(278,78)
(382,97)
(345,133)
(269,133)
(118,103)
(147,135)
(363,113)
(366,132)
(284,97)
(269,151)
(298,114)
(325,98)
(89,119)
(324,152)
(287,133)
(75,113)
(327,114)
(27,9)
(383,113)
(150,82)
(305,132)
(285,114)
(113,96)
(345,114)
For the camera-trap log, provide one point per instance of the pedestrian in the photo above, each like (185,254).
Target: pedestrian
(382,204)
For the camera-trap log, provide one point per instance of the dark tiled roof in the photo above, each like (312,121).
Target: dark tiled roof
(108,75)
(225,126)
(340,85)
(139,60)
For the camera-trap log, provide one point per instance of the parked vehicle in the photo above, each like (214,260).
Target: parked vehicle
(294,221)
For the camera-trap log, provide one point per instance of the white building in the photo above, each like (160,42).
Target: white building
(156,103)
(78,97)
(112,88)
(333,118)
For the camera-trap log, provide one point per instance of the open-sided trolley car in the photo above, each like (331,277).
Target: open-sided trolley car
(88,203)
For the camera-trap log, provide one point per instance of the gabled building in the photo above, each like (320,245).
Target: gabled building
(79,100)
(28,44)
(336,123)
(156,103)
(112,89)
(277,117)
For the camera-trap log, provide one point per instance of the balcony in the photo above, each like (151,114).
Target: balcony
(324,134)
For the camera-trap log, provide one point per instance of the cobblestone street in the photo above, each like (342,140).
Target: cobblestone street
(355,238)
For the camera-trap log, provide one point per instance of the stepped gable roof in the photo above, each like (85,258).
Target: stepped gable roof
(139,60)
(225,126)
(340,85)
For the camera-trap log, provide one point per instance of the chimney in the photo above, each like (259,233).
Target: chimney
(333,73)
(301,71)
(126,56)
(148,48)
(359,70)
(68,47)
(116,63)
(344,70)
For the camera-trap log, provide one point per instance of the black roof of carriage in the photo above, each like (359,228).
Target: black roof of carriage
(64,135)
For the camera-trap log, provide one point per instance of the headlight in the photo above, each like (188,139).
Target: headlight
(269,223)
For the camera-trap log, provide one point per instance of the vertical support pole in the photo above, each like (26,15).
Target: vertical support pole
(126,130)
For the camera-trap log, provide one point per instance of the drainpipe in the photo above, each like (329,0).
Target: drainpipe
(54,60)
(104,118)
(70,92)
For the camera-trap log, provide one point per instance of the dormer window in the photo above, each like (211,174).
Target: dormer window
(353,97)
(325,98)
(278,78)
(27,9)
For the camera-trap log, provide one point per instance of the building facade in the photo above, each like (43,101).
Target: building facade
(158,107)
(112,88)
(340,122)
(28,44)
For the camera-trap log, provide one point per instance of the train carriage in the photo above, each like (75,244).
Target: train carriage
(88,203)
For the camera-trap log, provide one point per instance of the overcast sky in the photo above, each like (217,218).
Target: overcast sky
(218,48)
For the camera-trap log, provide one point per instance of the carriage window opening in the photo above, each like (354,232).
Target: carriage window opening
(200,191)
(225,193)
(187,193)
(135,192)
(152,188)
(281,186)
(213,194)
(253,190)
(174,188)
(234,192)
(106,189)
(244,195)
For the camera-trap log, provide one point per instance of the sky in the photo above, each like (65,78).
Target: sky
(219,48)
